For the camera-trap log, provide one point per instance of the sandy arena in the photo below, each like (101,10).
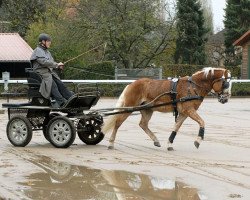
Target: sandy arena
(136,169)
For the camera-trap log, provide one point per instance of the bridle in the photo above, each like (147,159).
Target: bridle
(225,83)
(222,97)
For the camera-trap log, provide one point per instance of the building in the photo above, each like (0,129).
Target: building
(244,42)
(15,55)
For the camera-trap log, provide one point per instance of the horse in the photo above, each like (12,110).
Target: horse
(182,96)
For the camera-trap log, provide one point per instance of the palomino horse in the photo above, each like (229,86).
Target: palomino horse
(186,96)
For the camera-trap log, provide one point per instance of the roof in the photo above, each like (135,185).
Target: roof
(218,38)
(14,48)
(243,39)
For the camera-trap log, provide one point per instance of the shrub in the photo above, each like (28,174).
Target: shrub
(97,71)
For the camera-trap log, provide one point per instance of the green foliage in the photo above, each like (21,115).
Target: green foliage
(97,71)
(21,13)
(133,31)
(235,71)
(180,70)
(190,43)
(111,90)
(241,89)
(208,15)
(188,70)
(237,22)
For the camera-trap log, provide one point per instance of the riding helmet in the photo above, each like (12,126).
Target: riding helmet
(44,36)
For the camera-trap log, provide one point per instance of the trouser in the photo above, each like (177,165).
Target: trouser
(59,91)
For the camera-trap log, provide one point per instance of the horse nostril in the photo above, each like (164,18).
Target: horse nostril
(224,101)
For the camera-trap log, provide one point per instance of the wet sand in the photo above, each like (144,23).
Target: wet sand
(136,169)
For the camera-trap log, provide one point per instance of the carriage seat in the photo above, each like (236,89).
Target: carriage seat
(34,81)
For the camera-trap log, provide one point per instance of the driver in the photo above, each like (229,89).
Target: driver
(44,64)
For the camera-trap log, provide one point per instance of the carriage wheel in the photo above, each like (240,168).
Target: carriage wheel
(19,131)
(45,124)
(61,132)
(89,131)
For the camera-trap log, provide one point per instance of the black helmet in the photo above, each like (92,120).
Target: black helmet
(44,36)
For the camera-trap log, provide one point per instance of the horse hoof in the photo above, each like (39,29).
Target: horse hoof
(157,144)
(196,144)
(170,148)
(110,147)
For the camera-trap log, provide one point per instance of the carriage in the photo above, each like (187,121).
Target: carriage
(58,124)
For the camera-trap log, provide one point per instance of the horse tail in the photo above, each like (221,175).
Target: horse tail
(111,120)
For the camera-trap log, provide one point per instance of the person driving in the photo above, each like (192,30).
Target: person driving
(44,64)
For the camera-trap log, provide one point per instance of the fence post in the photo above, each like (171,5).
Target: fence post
(160,73)
(6,78)
(116,73)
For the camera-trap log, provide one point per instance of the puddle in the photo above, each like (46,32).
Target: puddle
(59,180)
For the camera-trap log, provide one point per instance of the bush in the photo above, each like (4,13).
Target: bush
(188,70)
(97,71)
(241,89)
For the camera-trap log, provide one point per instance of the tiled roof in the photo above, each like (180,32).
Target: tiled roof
(243,39)
(14,48)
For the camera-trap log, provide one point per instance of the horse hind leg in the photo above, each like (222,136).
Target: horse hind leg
(180,119)
(119,119)
(145,117)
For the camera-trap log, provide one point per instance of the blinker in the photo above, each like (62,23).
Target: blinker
(225,85)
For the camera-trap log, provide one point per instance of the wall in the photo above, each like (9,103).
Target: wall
(244,69)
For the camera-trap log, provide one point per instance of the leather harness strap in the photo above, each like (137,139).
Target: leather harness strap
(173,94)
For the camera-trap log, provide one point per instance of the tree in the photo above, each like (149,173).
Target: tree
(21,13)
(208,15)
(134,33)
(191,33)
(237,22)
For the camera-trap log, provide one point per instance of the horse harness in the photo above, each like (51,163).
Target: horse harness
(173,94)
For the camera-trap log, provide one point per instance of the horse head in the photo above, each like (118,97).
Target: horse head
(220,83)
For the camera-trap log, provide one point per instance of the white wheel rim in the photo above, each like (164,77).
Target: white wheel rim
(60,132)
(18,131)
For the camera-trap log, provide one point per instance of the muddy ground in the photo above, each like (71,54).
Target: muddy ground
(135,169)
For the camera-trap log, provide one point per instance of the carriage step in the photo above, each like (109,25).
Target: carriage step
(15,105)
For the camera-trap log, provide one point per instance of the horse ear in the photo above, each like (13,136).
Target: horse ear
(217,86)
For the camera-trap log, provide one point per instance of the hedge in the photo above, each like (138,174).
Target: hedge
(97,71)
(188,70)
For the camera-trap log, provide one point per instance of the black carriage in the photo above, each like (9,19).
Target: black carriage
(58,124)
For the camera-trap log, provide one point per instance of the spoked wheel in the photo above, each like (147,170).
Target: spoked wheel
(19,131)
(61,132)
(45,124)
(89,131)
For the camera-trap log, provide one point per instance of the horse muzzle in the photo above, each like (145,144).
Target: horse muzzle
(222,98)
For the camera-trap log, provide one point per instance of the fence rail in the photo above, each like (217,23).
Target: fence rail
(106,81)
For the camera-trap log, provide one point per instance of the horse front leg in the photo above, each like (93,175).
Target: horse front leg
(194,115)
(180,119)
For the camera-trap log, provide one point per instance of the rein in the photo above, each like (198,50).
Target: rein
(144,107)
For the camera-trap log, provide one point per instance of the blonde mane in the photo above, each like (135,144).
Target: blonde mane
(206,71)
